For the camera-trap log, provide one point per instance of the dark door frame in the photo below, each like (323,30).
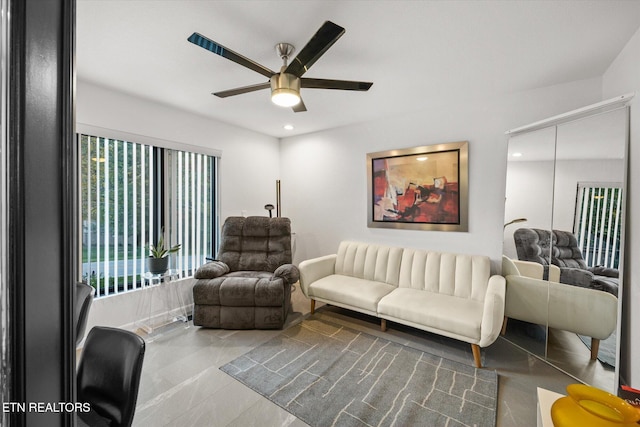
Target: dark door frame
(41,235)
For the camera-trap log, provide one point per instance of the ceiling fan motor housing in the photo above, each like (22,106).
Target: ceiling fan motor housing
(285,89)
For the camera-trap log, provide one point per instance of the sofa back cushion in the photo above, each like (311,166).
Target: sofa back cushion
(465,276)
(368,261)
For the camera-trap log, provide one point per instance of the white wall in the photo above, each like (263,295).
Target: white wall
(250,163)
(249,166)
(623,76)
(528,195)
(324,173)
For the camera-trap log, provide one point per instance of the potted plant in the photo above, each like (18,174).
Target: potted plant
(158,261)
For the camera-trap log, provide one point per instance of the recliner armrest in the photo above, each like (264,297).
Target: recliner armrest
(600,270)
(576,277)
(211,270)
(288,272)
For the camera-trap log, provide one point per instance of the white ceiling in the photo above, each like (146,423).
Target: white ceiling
(418,53)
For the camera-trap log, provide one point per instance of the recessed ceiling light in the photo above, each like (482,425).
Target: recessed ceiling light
(421,159)
(517,154)
(288,127)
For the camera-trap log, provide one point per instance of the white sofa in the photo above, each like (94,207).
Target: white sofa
(447,294)
(558,305)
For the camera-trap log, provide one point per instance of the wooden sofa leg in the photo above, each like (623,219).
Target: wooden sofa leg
(504,326)
(383,325)
(595,345)
(313,306)
(475,348)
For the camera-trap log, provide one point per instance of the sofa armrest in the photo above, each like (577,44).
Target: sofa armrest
(493,313)
(572,309)
(527,299)
(576,277)
(288,272)
(314,269)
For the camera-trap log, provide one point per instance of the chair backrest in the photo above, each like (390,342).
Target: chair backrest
(533,244)
(255,243)
(109,373)
(565,251)
(548,247)
(84,298)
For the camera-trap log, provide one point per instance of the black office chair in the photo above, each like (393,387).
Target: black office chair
(109,376)
(84,298)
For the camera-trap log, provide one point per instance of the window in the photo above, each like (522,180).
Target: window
(598,223)
(130,192)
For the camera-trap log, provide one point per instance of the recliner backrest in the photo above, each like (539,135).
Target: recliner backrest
(565,251)
(533,244)
(109,373)
(255,243)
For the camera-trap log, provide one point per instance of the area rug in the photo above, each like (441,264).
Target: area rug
(330,375)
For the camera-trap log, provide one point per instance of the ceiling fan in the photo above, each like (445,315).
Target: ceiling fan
(285,85)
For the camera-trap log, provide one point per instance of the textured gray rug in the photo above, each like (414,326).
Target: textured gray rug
(326,375)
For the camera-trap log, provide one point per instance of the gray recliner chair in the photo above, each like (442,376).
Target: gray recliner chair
(533,245)
(248,286)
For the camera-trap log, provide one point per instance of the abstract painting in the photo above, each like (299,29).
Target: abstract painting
(423,188)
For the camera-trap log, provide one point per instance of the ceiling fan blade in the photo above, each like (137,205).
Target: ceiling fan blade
(218,49)
(322,40)
(334,84)
(299,107)
(241,90)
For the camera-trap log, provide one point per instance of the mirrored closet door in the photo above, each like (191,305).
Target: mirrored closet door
(564,239)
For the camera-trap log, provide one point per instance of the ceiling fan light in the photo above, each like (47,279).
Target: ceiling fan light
(285,89)
(285,97)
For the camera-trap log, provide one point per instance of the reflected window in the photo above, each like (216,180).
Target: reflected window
(598,223)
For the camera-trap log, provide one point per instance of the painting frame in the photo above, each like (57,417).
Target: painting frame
(431,194)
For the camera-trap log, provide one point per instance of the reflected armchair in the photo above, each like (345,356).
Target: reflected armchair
(249,285)
(535,245)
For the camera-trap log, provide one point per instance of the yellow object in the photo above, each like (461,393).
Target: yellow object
(589,406)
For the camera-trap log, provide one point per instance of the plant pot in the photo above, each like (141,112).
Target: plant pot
(157,265)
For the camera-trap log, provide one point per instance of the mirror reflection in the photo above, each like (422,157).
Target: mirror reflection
(562,255)
(529,206)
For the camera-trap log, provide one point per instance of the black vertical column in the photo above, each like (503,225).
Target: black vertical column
(41,219)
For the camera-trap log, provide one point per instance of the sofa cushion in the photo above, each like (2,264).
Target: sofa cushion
(460,316)
(356,292)
(241,289)
(464,276)
(367,261)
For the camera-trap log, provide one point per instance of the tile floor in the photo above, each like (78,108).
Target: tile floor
(181,384)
